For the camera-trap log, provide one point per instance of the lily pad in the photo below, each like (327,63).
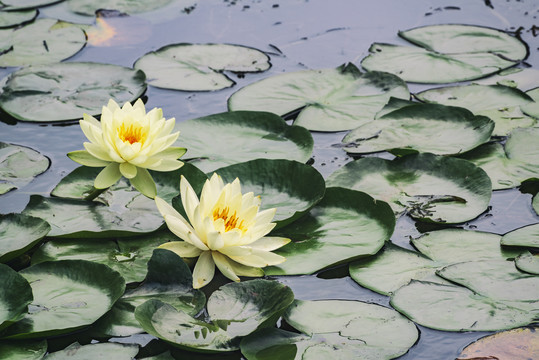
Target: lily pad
(15,297)
(64,91)
(23,350)
(510,164)
(291,187)
(518,343)
(14,18)
(454,308)
(528,262)
(236,310)
(448,53)
(521,78)
(327,99)
(11,5)
(110,350)
(532,109)
(441,130)
(89,7)
(68,295)
(199,67)
(335,329)
(535,203)
(254,135)
(344,226)
(169,280)
(40,42)
(425,186)
(19,165)
(500,103)
(19,233)
(527,236)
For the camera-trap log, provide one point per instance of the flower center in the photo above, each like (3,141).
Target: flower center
(231,220)
(134,133)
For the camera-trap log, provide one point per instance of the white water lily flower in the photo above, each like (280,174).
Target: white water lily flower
(225,229)
(127,142)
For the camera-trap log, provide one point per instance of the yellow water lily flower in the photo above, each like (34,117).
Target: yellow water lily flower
(225,229)
(127,142)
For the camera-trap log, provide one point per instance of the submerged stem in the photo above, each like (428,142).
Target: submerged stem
(94,193)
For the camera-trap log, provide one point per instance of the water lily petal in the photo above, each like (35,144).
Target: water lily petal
(214,240)
(224,266)
(172,153)
(189,198)
(182,248)
(259,258)
(98,152)
(83,157)
(164,165)
(261,230)
(128,170)
(204,270)
(265,216)
(144,183)
(269,243)
(184,231)
(91,130)
(244,270)
(112,106)
(108,176)
(167,209)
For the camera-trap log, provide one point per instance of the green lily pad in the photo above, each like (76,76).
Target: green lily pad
(11,5)
(345,225)
(527,236)
(521,78)
(14,18)
(500,103)
(68,295)
(448,53)
(438,129)
(513,344)
(15,297)
(111,350)
(254,135)
(65,91)
(169,280)
(528,262)
(455,308)
(19,233)
(532,109)
(89,7)
(327,99)
(425,186)
(40,42)
(510,164)
(23,350)
(335,329)
(535,203)
(199,67)
(236,310)
(291,187)
(19,165)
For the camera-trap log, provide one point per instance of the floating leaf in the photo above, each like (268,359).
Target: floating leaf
(89,7)
(425,186)
(236,310)
(441,130)
(14,18)
(527,236)
(40,42)
(15,296)
(23,350)
(535,203)
(532,109)
(500,103)
(68,295)
(289,186)
(521,78)
(327,99)
(19,165)
(528,262)
(65,91)
(254,135)
(448,53)
(25,4)
(344,226)
(19,233)
(199,67)
(335,329)
(110,350)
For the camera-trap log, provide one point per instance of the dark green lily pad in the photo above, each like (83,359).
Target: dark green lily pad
(455,308)
(500,103)
(23,350)
(40,42)
(425,186)
(11,5)
(441,130)
(199,67)
(89,7)
(510,164)
(68,295)
(19,233)
(169,280)
(528,262)
(527,236)
(14,18)
(448,53)
(335,329)
(254,135)
(110,350)
(19,165)
(345,225)
(65,91)
(236,310)
(291,187)
(327,99)
(15,297)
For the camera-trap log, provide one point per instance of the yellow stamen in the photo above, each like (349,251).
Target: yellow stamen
(133,133)
(231,222)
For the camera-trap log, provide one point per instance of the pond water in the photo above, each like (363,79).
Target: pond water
(296,34)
